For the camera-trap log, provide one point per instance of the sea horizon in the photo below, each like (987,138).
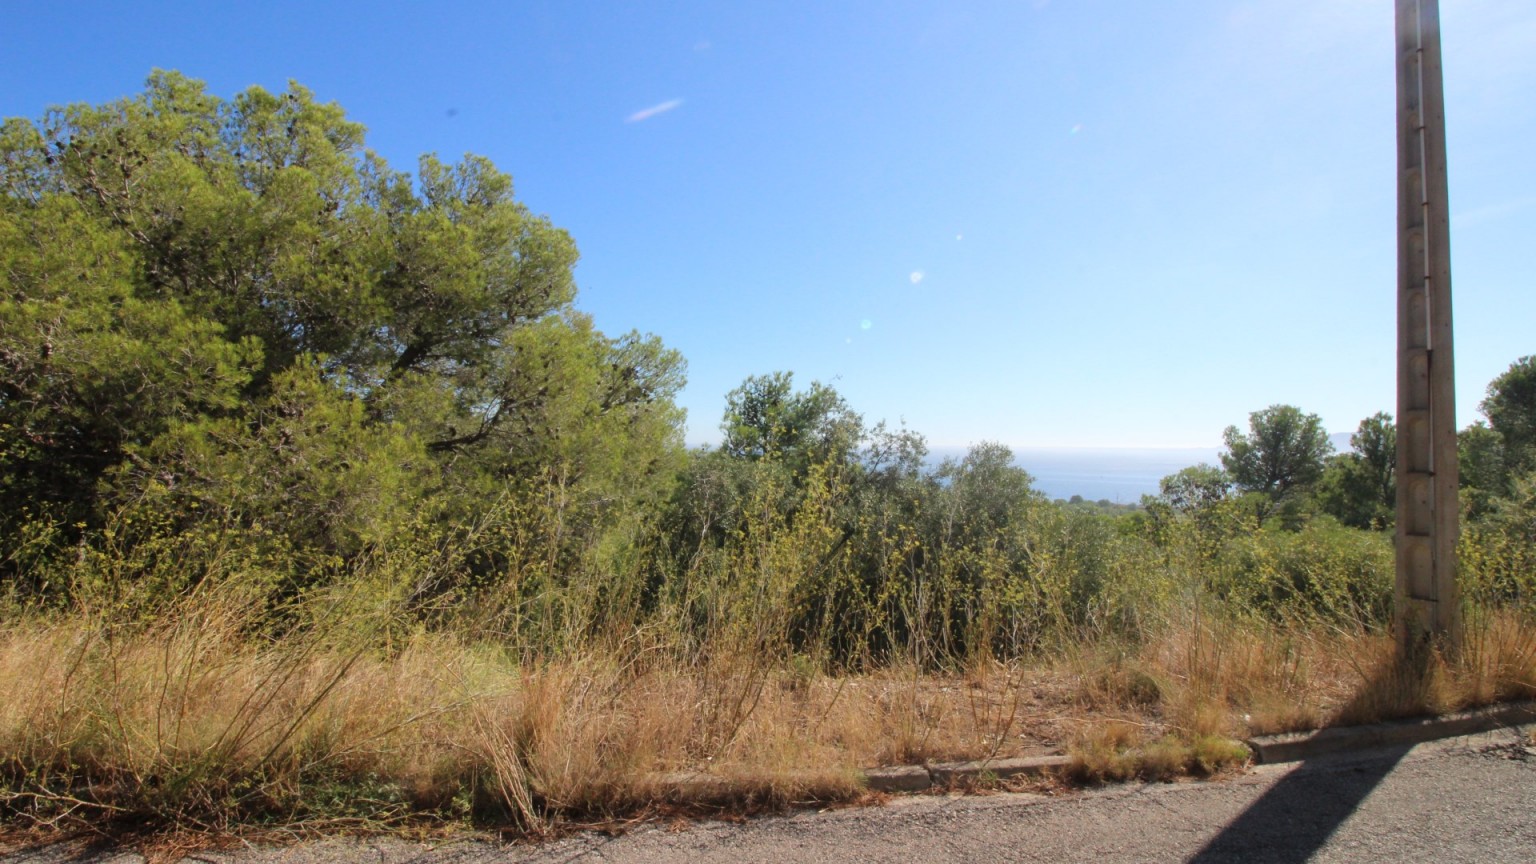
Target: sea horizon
(1120,475)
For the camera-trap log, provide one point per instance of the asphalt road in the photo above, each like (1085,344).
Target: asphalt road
(1462,799)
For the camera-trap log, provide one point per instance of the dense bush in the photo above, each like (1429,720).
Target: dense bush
(228,318)
(237,348)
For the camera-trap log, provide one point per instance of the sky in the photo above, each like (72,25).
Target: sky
(1049,223)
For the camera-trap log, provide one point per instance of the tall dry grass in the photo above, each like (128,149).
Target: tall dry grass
(199,722)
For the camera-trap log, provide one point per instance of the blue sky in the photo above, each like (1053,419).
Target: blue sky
(1046,223)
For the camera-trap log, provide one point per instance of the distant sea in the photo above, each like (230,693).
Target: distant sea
(1120,475)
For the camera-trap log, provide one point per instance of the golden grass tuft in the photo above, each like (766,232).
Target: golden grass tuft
(1117,750)
(1498,659)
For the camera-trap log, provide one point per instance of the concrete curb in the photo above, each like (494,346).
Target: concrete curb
(917,778)
(1296,746)
(1268,749)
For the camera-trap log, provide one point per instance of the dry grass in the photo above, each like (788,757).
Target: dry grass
(197,724)
(1498,662)
(1205,682)
(1245,679)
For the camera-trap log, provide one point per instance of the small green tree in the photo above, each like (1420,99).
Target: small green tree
(985,494)
(1359,488)
(1511,411)
(1283,451)
(1194,503)
(1495,454)
(766,418)
(1195,488)
(1480,454)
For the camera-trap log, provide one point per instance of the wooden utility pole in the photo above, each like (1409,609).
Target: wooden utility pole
(1427,603)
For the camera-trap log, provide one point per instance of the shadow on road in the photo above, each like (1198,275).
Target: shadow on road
(1295,818)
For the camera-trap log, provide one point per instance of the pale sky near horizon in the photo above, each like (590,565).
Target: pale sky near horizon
(1046,223)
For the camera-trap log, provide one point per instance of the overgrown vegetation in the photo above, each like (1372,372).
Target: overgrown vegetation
(320,504)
